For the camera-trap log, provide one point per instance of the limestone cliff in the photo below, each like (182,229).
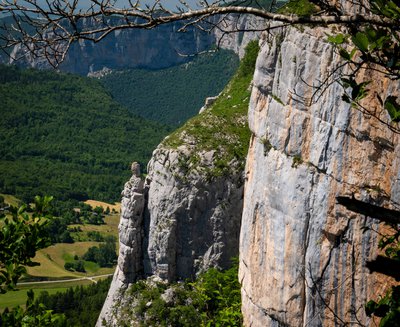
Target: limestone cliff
(193,222)
(152,49)
(238,41)
(302,255)
(130,240)
(185,217)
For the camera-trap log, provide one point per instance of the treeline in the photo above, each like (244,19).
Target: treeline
(82,213)
(64,135)
(81,305)
(105,255)
(171,96)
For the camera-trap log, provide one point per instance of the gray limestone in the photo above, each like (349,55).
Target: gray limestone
(301,256)
(129,266)
(193,223)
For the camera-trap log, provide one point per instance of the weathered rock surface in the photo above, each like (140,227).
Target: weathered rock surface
(130,241)
(226,38)
(302,256)
(186,225)
(183,220)
(192,223)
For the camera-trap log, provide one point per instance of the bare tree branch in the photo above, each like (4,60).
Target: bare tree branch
(49,30)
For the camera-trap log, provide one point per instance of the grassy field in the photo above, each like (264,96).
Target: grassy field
(53,258)
(104,205)
(109,228)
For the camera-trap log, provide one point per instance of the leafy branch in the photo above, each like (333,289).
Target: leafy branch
(21,235)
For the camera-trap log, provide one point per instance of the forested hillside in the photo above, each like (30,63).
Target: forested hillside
(173,95)
(64,135)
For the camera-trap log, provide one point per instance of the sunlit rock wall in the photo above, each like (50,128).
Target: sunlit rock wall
(302,256)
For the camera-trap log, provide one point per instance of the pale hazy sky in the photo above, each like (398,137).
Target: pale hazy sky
(170,4)
(166,3)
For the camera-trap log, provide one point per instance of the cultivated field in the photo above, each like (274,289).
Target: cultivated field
(53,258)
(104,205)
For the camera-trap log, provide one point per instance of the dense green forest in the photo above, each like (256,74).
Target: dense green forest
(64,135)
(173,95)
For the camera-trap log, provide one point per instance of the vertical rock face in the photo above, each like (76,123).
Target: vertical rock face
(130,242)
(154,49)
(237,42)
(130,226)
(129,48)
(302,255)
(192,223)
(186,225)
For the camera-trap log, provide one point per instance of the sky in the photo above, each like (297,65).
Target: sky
(167,3)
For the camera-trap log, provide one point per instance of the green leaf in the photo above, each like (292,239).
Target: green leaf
(337,39)
(352,53)
(344,54)
(393,108)
(360,40)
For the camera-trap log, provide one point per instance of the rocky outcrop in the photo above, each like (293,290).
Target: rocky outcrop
(302,255)
(227,37)
(192,222)
(130,242)
(187,224)
(186,216)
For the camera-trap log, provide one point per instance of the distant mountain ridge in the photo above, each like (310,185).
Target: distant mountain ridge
(160,48)
(150,49)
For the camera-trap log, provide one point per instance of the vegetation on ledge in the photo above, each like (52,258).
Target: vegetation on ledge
(213,299)
(222,127)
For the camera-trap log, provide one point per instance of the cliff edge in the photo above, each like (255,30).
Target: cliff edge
(185,216)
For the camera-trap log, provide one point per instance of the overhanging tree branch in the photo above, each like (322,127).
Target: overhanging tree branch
(49,31)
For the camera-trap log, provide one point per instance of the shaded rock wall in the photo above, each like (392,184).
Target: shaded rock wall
(152,49)
(176,225)
(302,256)
(128,48)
